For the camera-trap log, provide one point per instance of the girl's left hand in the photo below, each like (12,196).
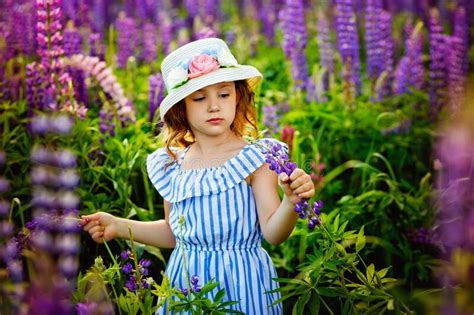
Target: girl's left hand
(296,186)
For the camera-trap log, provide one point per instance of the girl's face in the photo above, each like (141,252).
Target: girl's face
(211,110)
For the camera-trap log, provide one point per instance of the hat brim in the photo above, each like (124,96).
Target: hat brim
(239,72)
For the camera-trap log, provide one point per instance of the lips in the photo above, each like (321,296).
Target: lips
(215,120)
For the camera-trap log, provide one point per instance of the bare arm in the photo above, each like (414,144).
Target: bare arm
(277,219)
(104,226)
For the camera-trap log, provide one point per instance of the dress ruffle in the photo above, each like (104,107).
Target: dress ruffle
(175,185)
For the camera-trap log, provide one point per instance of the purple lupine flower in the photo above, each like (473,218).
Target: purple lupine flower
(125,254)
(156,94)
(97,48)
(438,72)
(326,49)
(92,66)
(373,39)
(131,284)
(34,89)
(184,291)
(126,35)
(279,162)
(98,21)
(87,308)
(270,118)
(72,41)
(294,41)
(194,280)
(455,151)
(348,44)
(192,8)
(414,52)
(205,32)
(150,42)
(456,77)
(50,49)
(127,268)
(267,15)
(387,46)
(400,82)
(166,32)
(461,30)
(210,12)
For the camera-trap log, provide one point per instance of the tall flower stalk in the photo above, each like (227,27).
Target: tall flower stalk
(348,46)
(437,70)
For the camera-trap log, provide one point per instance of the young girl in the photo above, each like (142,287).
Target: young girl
(220,183)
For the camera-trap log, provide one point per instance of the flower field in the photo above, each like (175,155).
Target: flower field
(374,99)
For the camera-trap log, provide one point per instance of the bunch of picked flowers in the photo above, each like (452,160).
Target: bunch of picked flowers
(280,162)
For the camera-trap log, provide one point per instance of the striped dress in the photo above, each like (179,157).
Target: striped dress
(221,235)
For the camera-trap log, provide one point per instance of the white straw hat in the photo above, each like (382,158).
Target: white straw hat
(199,64)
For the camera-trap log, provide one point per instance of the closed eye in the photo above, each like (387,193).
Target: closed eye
(224,95)
(198,99)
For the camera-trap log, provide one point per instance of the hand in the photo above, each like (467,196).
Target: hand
(101,226)
(296,186)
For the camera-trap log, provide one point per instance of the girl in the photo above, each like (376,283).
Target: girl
(220,183)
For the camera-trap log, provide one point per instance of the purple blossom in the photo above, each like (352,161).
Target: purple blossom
(96,46)
(279,162)
(157,89)
(387,50)
(456,76)
(294,41)
(72,41)
(455,181)
(127,268)
(438,71)
(150,42)
(184,291)
(125,254)
(373,39)
(271,118)
(348,45)
(131,284)
(166,32)
(126,39)
(326,49)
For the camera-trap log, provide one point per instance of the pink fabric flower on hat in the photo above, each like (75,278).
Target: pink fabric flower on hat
(202,64)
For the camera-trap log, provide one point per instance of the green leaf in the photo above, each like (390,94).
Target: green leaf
(300,303)
(370,272)
(314,304)
(219,296)
(383,272)
(360,243)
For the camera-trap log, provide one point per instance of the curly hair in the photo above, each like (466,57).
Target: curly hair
(177,132)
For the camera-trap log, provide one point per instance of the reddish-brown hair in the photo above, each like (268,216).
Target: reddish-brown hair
(177,131)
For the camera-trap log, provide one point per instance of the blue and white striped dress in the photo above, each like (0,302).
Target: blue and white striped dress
(221,234)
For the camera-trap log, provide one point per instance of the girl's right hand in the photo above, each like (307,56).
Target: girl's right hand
(101,226)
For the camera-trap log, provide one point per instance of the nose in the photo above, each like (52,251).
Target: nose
(213,105)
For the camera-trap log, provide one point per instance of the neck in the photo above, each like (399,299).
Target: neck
(207,145)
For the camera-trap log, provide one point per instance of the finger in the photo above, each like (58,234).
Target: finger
(90,225)
(90,217)
(283,177)
(296,173)
(307,194)
(96,229)
(301,180)
(98,237)
(303,188)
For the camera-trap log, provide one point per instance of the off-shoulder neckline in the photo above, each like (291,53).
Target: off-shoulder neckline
(210,168)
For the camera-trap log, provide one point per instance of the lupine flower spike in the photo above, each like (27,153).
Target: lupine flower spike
(279,162)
